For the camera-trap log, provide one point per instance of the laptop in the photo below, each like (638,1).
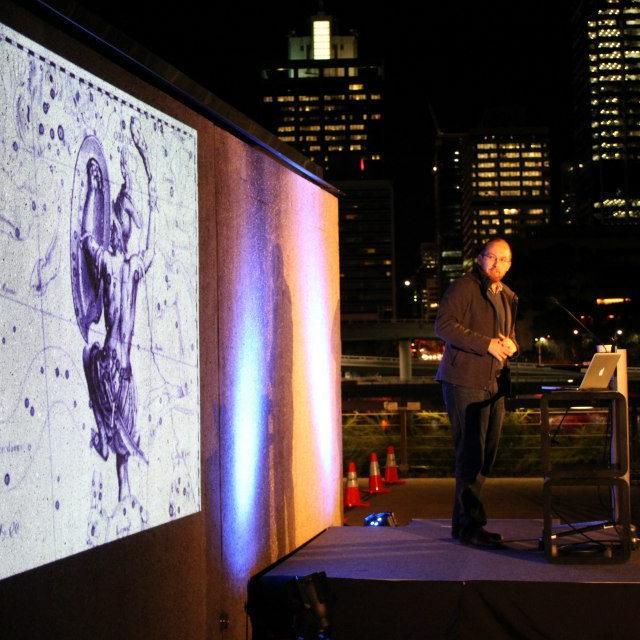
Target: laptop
(597,376)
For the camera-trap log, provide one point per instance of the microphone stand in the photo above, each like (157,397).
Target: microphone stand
(596,338)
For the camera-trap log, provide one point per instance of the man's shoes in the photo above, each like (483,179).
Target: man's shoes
(481,538)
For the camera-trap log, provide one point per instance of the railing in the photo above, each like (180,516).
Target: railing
(580,438)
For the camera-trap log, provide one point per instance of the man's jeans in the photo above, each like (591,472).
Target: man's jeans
(476,424)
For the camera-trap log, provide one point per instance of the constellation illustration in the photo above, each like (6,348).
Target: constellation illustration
(99,415)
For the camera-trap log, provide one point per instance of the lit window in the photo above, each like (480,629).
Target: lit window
(356,87)
(283,129)
(267,99)
(321,39)
(358,96)
(284,98)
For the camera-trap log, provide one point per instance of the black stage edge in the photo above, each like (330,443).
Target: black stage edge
(415,582)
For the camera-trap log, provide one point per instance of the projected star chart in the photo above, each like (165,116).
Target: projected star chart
(99,410)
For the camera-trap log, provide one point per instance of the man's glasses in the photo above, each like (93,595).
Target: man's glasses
(503,260)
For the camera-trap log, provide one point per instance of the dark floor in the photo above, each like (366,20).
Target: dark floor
(428,498)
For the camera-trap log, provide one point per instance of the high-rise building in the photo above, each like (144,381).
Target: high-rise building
(367,290)
(570,177)
(327,102)
(506,187)
(607,109)
(448,176)
(428,283)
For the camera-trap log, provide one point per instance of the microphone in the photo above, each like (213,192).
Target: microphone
(555,301)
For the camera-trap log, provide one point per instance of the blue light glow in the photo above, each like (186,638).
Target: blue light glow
(247,426)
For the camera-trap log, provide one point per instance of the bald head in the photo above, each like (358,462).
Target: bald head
(495,259)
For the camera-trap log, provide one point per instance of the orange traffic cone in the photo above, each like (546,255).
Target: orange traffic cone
(352,493)
(375,480)
(391,468)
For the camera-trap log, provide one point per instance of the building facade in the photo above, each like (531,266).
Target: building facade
(327,102)
(448,173)
(367,275)
(607,108)
(506,187)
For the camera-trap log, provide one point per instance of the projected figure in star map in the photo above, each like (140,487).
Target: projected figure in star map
(99,339)
(113,275)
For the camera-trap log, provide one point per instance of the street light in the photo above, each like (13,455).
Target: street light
(539,342)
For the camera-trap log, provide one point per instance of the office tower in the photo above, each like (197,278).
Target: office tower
(367,280)
(570,176)
(607,110)
(428,284)
(448,176)
(506,187)
(327,102)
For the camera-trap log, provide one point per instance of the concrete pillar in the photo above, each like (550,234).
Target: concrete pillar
(404,359)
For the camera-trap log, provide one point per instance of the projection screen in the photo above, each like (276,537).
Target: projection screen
(99,401)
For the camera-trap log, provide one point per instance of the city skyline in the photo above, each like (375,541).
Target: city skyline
(471,68)
(467,62)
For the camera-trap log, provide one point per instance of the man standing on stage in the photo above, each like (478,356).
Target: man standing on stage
(476,319)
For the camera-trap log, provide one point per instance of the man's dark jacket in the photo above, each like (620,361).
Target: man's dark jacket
(467,321)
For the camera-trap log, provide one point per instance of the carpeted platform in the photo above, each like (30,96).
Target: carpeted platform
(415,582)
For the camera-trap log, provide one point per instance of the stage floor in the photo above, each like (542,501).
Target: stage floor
(414,581)
(424,550)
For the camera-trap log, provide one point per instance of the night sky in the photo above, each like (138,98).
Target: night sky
(504,61)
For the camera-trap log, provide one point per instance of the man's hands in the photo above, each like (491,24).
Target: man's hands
(509,343)
(502,347)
